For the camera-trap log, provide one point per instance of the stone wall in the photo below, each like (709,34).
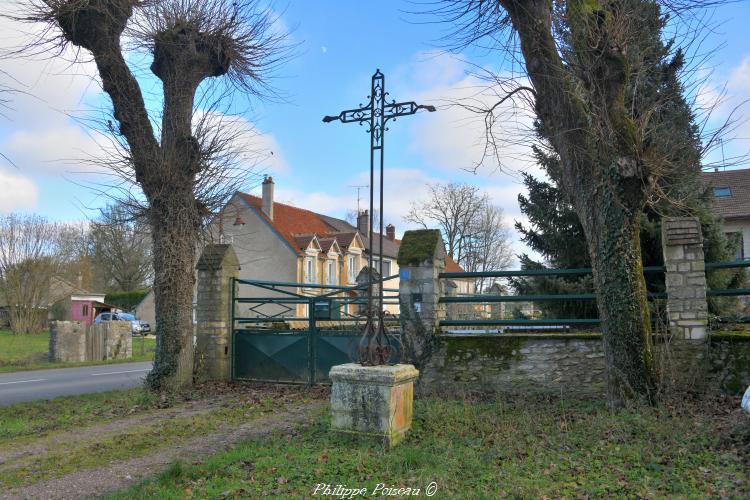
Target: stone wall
(571,363)
(514,363)
(73,342)
(110,340)
(67,341)
(729,362)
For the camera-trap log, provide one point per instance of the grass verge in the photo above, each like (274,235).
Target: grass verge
(134,442)
(534,447)
(104,432)
(31,352)
(37,418)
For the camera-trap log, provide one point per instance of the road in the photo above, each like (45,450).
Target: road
(46,384)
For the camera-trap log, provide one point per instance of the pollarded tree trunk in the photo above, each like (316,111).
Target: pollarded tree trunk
(175,233)
(605,169)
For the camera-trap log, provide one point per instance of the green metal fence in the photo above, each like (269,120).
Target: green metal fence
(564,322)
(295,332)
(541,323)
(729,292)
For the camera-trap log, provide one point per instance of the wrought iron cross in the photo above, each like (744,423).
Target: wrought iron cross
(375,347)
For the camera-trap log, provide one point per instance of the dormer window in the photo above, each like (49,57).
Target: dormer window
(722,192)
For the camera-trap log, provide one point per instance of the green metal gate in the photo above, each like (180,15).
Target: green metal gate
(273,342)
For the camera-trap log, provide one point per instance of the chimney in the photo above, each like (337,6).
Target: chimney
(390,232)
(363,222)
(268,197)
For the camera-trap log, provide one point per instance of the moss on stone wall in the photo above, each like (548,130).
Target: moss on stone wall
(499,348)
(732,336)
(730,361)
(418,246)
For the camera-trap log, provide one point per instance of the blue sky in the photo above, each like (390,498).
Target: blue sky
(339,44)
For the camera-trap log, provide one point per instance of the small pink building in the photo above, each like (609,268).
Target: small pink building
(86,307)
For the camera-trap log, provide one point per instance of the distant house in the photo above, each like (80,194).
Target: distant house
(731,202)
(65,301)
(83,307)
(279,242)
(146,310)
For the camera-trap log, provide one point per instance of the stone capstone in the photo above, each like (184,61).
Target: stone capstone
(373,401)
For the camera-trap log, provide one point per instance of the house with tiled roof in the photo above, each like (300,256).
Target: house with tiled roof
(279,242)
(731,202)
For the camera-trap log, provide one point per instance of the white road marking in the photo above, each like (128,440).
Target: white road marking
(23,381)
(117,373)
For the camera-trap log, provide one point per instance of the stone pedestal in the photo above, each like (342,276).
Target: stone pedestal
(374,401)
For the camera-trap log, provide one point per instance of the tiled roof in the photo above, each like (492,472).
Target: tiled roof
(327,242)
(303,241)
(298,226)
(290,221)
(737,205)
(345,239)
(451,266)
(390,247)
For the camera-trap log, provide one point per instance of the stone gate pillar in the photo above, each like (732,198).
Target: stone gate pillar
(217,266)
(421,258)
(687,309)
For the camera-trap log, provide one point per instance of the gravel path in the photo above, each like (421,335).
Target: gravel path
(124,473)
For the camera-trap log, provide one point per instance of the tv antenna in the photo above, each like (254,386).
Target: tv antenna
(359,188)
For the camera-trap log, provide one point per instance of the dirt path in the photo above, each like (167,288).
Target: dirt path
(124,473)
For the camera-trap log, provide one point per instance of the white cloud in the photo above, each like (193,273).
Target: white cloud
(727,97)
(18,192)
(37,131)
(454,138)
(53,151)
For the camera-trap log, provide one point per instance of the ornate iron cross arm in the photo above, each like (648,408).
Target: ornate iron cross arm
(352,115)
(396,109)
(390,111)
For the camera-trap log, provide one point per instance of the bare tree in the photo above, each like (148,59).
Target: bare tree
(588,73)
(120,250)
(29,259)
(487,246)
(74,242)
(180,160)
(472,227)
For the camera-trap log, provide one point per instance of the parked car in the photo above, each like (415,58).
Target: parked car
(137,326)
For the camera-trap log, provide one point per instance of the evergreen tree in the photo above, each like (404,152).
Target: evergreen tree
(554,230)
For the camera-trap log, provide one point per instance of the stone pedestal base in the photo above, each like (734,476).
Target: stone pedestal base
(375,401)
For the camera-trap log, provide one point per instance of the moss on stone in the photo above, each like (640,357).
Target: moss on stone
(466,348)
(418,246)
(738,336)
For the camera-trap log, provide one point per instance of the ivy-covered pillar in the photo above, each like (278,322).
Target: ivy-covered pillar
(217,267)
(421,259)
